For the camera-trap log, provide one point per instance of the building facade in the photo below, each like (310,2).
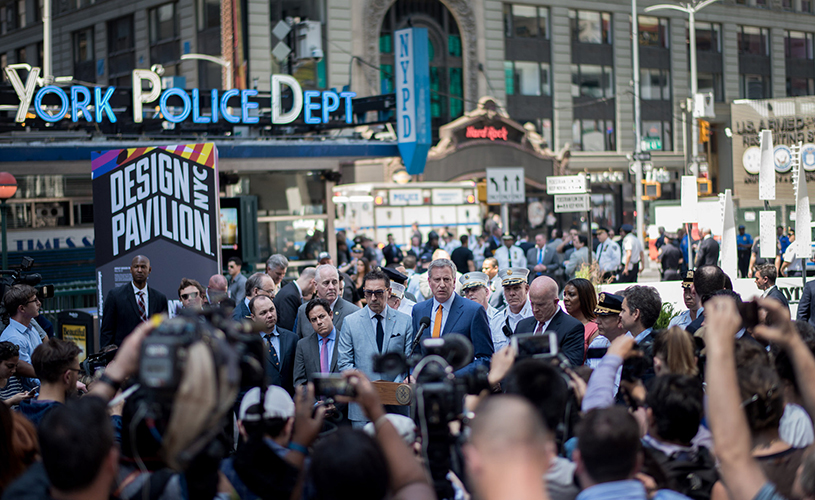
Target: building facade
(563,66)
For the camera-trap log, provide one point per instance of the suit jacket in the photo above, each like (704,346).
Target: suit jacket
(570,334)
(779,296)
(287,301)
(806,308)
(392,254)
(241,311)
(708,253)
(467,318)
(549,260)
(283,374)
(120,314)
(307,359)
(341,309)
(237,288)
(357,345)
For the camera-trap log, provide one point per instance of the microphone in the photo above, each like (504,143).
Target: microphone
(423,324)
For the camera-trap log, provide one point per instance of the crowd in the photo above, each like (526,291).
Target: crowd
(582,395)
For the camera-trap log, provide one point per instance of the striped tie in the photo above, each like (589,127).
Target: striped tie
(142,309)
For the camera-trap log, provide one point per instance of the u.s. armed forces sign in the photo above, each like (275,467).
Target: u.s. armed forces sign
(161,202)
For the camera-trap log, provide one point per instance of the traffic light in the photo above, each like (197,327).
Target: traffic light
(704,131)
(703,186)
(651,190)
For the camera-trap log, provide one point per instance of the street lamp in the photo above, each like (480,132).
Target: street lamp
(690,9)
(8,186)
(214,59)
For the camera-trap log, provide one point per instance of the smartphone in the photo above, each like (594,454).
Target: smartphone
(749,314)
(529,345)
(33,392)
(332,385)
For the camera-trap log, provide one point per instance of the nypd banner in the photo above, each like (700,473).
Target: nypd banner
(160,202)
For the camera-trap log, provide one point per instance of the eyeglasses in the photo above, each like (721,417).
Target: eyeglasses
(77,370)
(35,299)
(189,296)
(374,293)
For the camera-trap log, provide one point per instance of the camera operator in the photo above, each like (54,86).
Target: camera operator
(23,306)
(269,457)
(349,464)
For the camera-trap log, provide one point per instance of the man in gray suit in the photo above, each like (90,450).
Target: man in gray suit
(318,352)
(375,329)
(327,286)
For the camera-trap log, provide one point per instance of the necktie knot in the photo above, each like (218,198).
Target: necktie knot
(324,340)
(378,317)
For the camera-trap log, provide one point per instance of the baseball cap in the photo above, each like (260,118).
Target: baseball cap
(276,404)
(324,255)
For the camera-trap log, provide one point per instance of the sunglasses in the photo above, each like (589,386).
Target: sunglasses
(374,293)
(188,296)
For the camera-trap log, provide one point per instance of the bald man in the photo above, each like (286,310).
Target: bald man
(217,289)
(548,317)
(509,449)
(128,305)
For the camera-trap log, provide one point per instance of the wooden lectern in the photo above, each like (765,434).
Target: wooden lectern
(394,393)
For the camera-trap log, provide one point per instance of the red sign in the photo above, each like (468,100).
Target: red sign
(488,132)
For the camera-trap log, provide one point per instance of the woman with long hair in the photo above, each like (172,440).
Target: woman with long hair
(363,268)
(675,352)
(580,299)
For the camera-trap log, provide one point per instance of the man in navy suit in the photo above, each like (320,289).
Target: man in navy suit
(450,313)
(548,317)
(128,305)
(280,344)
(290,297)
(257,284)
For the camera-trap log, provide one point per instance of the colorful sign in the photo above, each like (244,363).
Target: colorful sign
(175,104)
(160,202)
(413,127)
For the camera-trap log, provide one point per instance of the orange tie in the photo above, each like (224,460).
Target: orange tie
(437,323)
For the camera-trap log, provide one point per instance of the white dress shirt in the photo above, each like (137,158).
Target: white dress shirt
(498,320)
(445,312)
(514,254)
(145,297)
(608,255)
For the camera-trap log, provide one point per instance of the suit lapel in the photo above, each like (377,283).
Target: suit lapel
(369,331)
(390,319)
(314,359)
(335,356)
(131,300)
(452,317)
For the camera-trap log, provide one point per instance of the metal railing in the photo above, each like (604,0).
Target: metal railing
(73,295)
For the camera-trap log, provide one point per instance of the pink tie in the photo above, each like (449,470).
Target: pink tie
(539,328)
(324,355)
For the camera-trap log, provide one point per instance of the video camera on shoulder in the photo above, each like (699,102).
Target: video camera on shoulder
(21,275)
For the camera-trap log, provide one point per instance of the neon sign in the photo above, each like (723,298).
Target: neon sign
(93,104)
(488,132)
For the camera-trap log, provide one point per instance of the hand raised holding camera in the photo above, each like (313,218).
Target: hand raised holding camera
(624,347)
(366,395)
(779,329)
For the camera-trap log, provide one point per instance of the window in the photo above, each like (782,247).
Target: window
(708,37)
(754,86)
(800,86)
(589,80)
(655,84)
(164,44)
(786,4)
(593,135)
(526,21)
(84,68)
(754,41)
(653,31)
(3,64)
(21,56)
(798,45)
(209,14)
(121,54)
(527,78)
(11,16)
(762,3)
(386,78)
(658,133)
(590,27)
(21,14)
(806,6)
(710,82)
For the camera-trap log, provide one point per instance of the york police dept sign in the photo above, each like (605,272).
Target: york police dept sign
(92,104)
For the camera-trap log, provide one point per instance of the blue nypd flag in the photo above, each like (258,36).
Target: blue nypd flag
(413,98)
